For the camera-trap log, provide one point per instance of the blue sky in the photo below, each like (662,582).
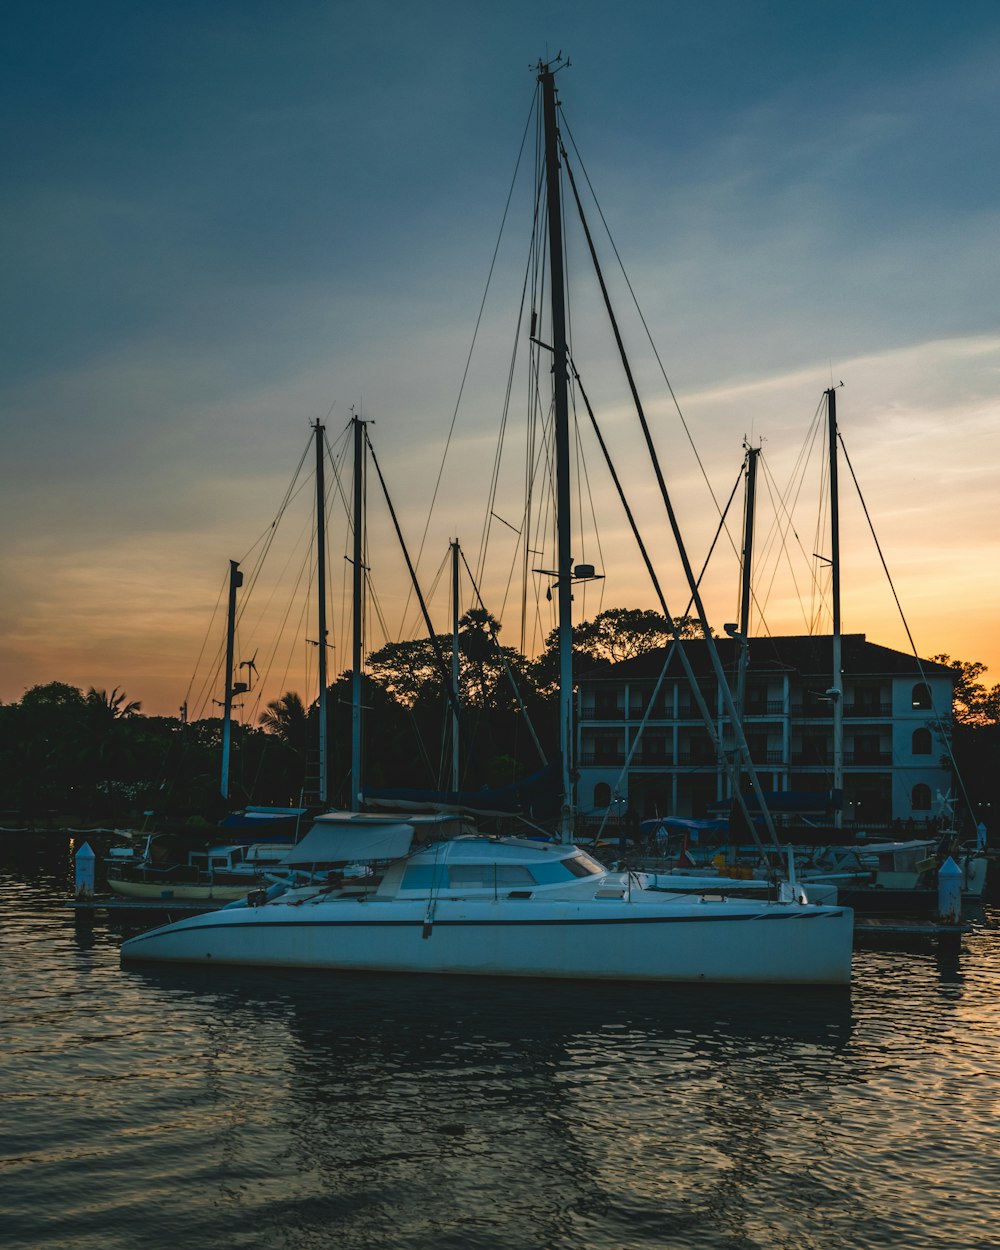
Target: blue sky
(223,219)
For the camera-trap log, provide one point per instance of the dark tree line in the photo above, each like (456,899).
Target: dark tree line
(71,756)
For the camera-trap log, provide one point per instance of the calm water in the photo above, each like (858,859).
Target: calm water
(165,1109)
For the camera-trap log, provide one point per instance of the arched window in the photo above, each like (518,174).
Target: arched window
(920,799)
(921,697)
(602,794)
(921,744)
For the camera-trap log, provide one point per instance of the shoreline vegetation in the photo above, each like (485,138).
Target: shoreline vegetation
(75,761)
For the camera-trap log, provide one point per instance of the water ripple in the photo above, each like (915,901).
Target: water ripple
(242,1109)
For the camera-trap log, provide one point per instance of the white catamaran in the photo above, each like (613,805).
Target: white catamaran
(513,906)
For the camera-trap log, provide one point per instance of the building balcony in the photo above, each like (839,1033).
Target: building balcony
(812,711)
(867,757)
(602,758)
(695,757)
(868,709)
(602,713)
(765,707)
(653,759)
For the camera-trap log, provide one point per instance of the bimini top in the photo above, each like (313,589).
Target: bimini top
(345,837)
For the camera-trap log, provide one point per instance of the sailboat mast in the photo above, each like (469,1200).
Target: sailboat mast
(235,581)
(564,570)
(837,689)
(321,604)
(357,640)
(454,666)
(744,631)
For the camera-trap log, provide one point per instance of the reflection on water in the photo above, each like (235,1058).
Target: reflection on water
(144,1108)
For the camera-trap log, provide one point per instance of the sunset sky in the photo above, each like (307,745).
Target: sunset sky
(223,221)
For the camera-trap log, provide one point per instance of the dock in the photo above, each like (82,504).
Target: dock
(872,929)
(164,908)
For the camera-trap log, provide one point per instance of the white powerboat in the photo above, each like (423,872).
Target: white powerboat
(514,907)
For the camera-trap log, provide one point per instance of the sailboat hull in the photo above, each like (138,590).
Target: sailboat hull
(726,942)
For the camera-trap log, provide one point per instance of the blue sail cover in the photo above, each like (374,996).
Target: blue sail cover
(537,797)
(694,830)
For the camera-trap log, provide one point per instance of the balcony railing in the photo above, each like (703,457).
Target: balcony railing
(765,707)
(602,757)
(653,758)
(868,709)
(602,713)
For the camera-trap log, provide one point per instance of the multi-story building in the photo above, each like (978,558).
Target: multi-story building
(642,745)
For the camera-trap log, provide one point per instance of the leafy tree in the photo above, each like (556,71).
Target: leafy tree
(288,719)
(612,636)
(406,669)
(112,706)
(623,633)
(49,738)
(974,703)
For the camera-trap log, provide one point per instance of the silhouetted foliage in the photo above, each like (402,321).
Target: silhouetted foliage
(96,757)
(974,702)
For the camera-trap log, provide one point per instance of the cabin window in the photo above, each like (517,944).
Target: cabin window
(602,794)
(920,798)
(583,866)
(423,877)
(486,876)
(921,699)
(921,742)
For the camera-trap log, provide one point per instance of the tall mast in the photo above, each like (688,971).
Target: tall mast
(744,631)
(454,666)
(357,604)
(564,561)
(235,581)
(837,689)
(321,597)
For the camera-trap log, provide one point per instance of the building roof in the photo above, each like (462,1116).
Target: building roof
(810,655)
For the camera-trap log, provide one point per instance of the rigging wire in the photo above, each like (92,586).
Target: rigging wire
(506,664)
(642,319)
(530,268)
(202,696)
(744,751)
(446,675)
(475,335)
(939,724)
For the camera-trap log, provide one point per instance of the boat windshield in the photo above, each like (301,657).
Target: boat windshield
(583,866)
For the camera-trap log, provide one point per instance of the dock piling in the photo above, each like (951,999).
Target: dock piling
(950,892)
(84,862)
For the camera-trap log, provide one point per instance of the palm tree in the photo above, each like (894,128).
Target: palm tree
(288,719)
(113,705)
